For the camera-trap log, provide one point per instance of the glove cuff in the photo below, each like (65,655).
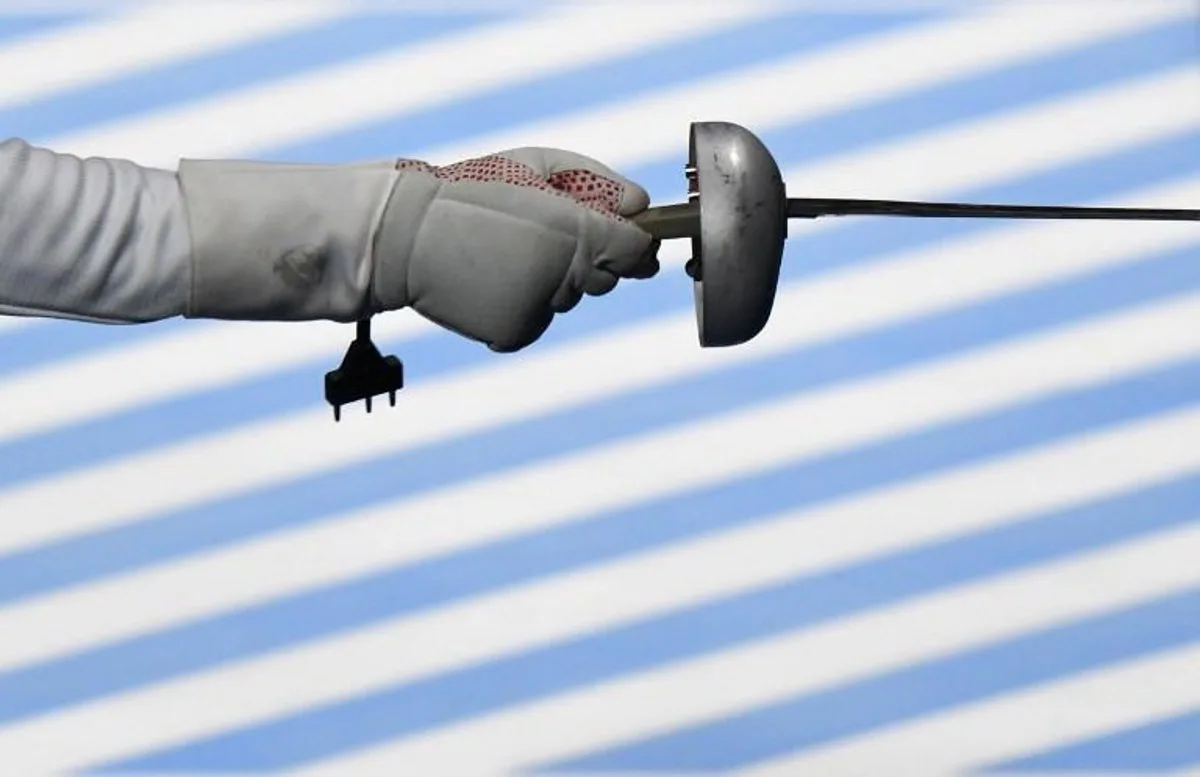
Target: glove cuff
(283,242)
(399,234)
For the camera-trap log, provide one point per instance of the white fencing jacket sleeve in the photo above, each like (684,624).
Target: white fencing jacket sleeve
(90,239)
(112,241)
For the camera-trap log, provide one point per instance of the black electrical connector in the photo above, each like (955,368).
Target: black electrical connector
(364,373)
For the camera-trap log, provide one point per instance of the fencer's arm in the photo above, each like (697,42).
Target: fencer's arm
(491,248)
(92,239)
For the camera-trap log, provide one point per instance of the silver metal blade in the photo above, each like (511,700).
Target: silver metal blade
(799,207)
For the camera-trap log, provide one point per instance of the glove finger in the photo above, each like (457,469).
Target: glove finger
(605,194)
(547,161)
(584,178)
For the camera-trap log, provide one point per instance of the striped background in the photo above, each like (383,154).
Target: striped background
(941,517)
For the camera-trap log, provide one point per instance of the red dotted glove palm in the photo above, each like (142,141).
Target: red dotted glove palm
(494,247)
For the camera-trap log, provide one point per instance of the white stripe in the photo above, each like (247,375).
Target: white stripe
(522,385)
(592,599)
(38,65)
(726,683)
(957,741)
(414,77)
(496,506)
(947,159)
(786,91)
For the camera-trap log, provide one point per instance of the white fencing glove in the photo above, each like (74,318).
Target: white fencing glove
(490,248)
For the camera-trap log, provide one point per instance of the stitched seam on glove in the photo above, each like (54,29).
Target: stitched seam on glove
(414,193)
(416,241)
(372,302)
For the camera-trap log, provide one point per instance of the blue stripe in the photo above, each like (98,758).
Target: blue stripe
(861,707)
(182,417)
(658,407)
(974,97)
(409,709)
(293,620)
(1164,745)
(271,56)
(15,26)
